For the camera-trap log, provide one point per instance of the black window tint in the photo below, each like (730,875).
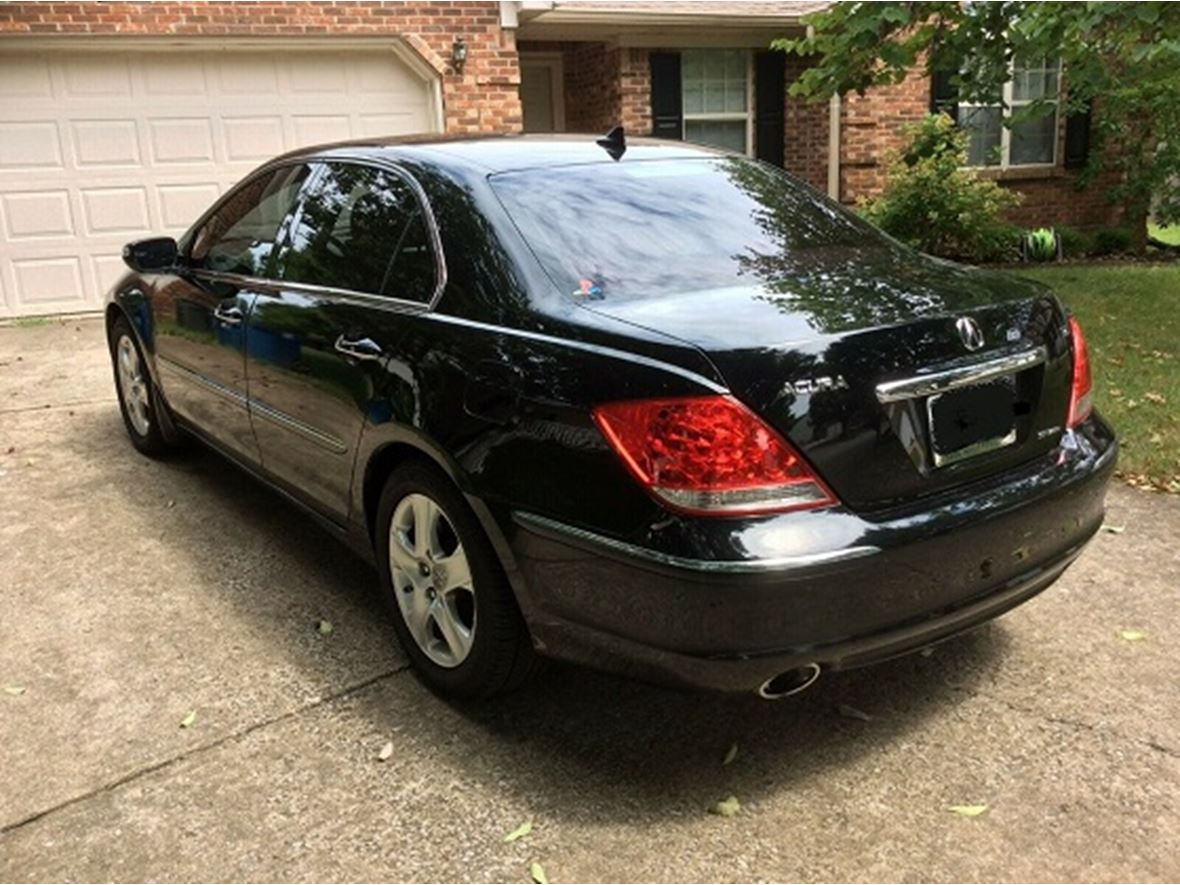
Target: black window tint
(240,235)
(360,228)
(656,227)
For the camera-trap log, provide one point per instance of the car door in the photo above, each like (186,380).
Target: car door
(201,311)
(358,256)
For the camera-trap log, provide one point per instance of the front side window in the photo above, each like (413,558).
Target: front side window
(715,90)
(1028,142)
(240,235)
(360,228)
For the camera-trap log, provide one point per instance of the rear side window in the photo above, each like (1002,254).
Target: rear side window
(240,235)
(360,228)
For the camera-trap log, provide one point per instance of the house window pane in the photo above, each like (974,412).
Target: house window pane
(719,75)
(1032,141)
(729,134)
(984,127)
(1034,81)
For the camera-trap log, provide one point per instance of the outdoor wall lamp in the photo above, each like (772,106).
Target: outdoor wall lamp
(458,55)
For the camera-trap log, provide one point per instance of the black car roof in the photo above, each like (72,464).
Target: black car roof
(504,153)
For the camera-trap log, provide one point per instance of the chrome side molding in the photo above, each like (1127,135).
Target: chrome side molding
(940,381)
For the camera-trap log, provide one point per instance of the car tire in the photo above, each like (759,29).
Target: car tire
(453,610)
(139,401)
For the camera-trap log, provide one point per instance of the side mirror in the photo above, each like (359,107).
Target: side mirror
(148,256)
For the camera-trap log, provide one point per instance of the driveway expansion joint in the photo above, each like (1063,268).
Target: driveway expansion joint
(139,773)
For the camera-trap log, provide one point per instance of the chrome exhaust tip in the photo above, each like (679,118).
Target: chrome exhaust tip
(789,682)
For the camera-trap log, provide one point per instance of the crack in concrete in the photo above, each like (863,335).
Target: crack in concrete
(1072,723)
(49,407)
(133,776)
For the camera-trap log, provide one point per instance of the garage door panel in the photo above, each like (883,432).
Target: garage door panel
(99,147)
(181,204)
(37,214)
(30,145)
(181,140)
(46,281)
(105,143)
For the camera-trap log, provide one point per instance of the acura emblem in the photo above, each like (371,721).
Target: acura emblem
(970,332)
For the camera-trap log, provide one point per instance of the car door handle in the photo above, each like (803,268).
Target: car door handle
(231,316)
(359,348)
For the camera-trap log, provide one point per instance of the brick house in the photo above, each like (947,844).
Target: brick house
(118,120)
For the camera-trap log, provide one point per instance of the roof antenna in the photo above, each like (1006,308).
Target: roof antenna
(613,143)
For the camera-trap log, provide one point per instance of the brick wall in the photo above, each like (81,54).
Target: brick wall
(604,86)
(806,133)
(485,98)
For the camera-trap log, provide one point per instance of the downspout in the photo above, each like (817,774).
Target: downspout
(834,148)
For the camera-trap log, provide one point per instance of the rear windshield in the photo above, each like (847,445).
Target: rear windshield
(659,227)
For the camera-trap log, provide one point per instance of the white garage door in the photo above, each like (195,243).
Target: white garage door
(99,147)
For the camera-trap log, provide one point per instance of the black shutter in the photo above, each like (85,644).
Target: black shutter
(770,96)
(1077,138)
(667,112)
(944,95)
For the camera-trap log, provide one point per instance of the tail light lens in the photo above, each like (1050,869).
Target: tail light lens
(1081,398)
(710,455)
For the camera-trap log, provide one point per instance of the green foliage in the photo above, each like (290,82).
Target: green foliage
(1075,243)
(936,205)
(1123,57)
(1111,241)
(1040,244)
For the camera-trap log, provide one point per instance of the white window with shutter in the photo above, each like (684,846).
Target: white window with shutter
(717,103)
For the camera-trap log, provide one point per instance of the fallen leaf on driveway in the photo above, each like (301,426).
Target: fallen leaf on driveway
(324,627)
(967,810)
(11,449)
(726,807)
(520,832)
(1114,529)
(187,721)
(170,503)
(730,754)
(850,712)
(15,690)
(385,752)
(538,873)
(1132,635)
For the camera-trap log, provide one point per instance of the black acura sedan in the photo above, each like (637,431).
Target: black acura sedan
(649,407)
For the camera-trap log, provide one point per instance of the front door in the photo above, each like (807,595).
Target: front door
(357,258)
(201,312)
(542,92)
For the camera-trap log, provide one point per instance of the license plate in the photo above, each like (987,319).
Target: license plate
(971,420)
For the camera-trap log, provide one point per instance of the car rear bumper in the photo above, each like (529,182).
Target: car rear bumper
(832,588)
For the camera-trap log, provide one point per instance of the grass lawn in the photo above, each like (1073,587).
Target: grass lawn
(1169,234)
(1131,317)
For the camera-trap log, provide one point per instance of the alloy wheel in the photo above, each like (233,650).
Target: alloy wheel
(132,385)
(432,580)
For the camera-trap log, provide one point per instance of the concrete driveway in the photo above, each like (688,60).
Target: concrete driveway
(133,592)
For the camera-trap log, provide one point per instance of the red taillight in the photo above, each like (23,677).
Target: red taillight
(1081,398)
(710,455)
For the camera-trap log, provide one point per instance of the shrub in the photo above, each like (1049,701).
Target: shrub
(1111,241)
(936,205)
(1041,244)
(1075,243)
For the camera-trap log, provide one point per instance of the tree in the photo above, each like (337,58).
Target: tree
(1120,60)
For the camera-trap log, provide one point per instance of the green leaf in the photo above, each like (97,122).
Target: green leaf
(967,810)
(726,807)
(187,721)
(520,832)
(730,754)
(15,690)
(538,873)
(324,627)
(1132,635)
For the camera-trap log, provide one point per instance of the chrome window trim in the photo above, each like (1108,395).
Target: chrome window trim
(929,383)
(368,298)
(706,566)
